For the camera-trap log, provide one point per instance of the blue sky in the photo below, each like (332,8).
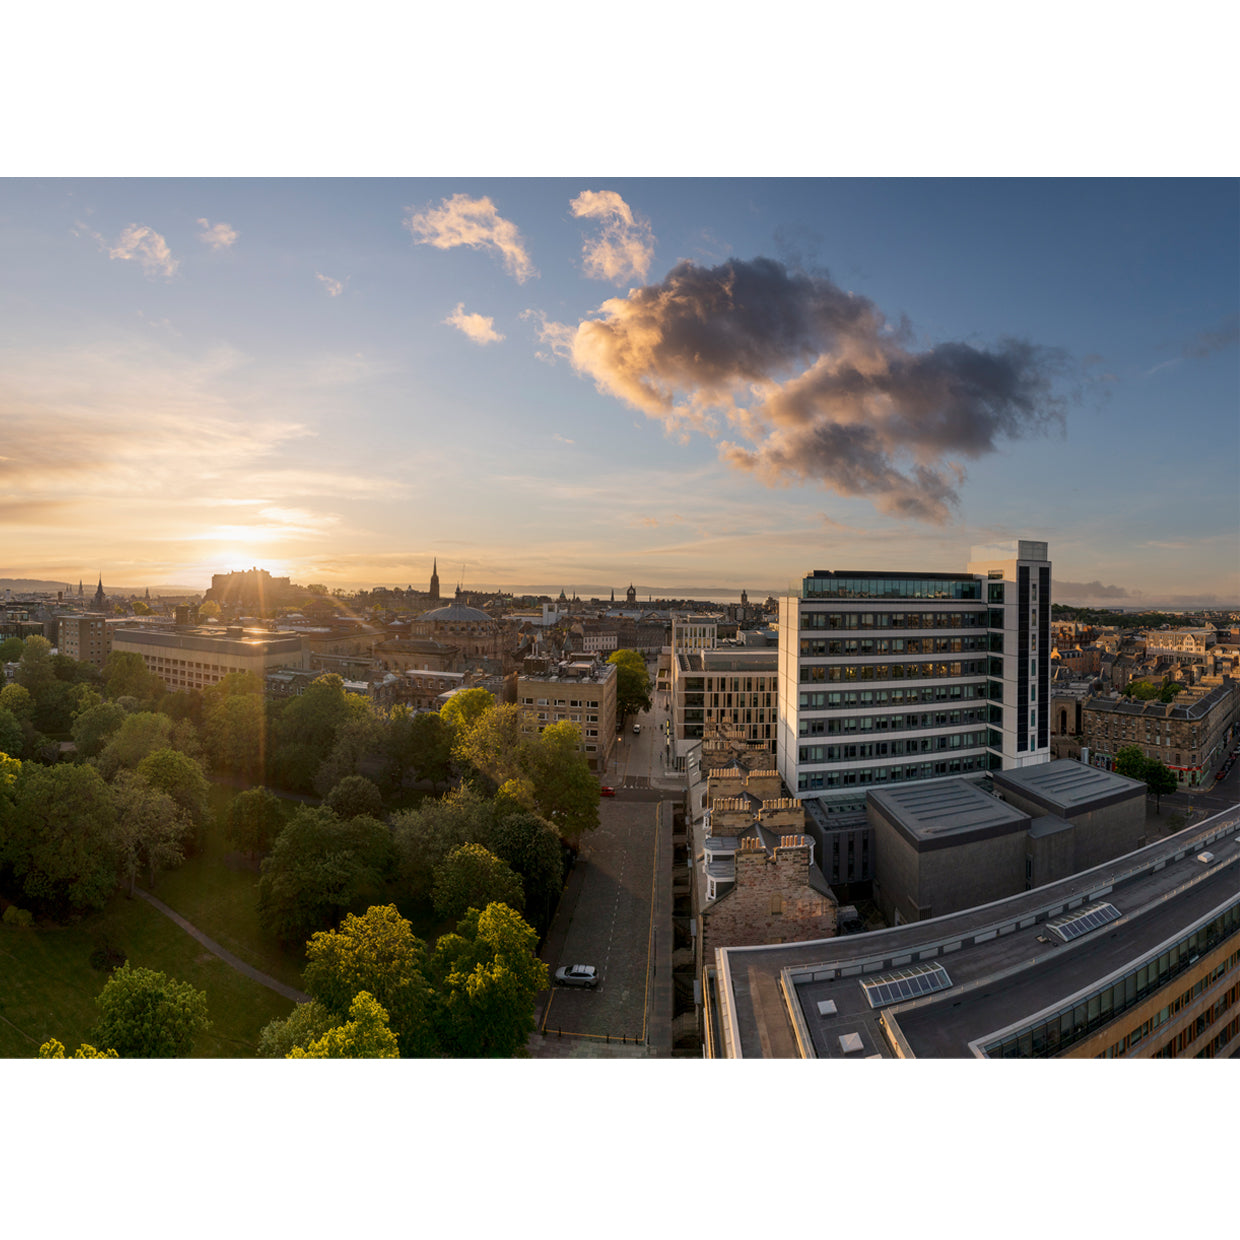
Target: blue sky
(553,382)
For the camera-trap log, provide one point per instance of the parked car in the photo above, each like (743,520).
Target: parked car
(577,975)
(637,727)
(605,791)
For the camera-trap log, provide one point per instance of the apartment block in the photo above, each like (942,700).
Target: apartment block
(730,689)
(88,639)
(891,677)
(581,693)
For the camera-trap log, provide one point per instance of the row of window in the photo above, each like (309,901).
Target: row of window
(1072,1025)
(894,749)
(832,647)
(891,587)
(810,781)
(834,673)
(907,695)
(893,620)
(893,723)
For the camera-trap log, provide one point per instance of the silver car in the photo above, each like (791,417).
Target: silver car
(577,975)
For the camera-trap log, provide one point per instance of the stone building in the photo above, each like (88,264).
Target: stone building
(755,879)
(1188,737)
(468,629)
(582,693)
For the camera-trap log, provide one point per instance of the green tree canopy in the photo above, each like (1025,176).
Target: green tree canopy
(306,729)
(147,1015)
(53,1049)
(424,836)
(12,734)
(125,674)
(365,1035)
(253,820)
(234,725)
(464,709)
(35,669)
(139,734)
(61,838)
(151,828)
(376,952)
(356,740)
(94,727)
(566,794)
(470,876)
(1160,781)
(488,976)
(632,683)
(354,796)
(11,649)
(1130,761)
(18,700)
(181,778)
(320,869)
(305,1024)
(532,847)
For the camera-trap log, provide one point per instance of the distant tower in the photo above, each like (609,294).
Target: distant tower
(148,594)
(613,594)
(632,594)
(435,580)
(80,593)
(99,595)
(744,599)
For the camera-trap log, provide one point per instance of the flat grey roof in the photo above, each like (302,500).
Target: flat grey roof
(1067,786)
(1048,824)
(946,809)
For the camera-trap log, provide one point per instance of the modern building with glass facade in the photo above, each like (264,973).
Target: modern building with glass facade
(888,677)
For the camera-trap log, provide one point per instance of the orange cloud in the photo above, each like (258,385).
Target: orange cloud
(461,220)
(624,247)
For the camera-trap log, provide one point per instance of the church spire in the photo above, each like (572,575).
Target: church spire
(435,580)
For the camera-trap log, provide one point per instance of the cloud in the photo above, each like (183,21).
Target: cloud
(1088,589)
(558,337)
(1222,337)
(561,439)
(624,247)
(334,287)
(480,328)
(142,245)
(461,220)
(816,382)
(217,236)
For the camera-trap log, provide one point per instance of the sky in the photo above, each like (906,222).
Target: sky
(687,384)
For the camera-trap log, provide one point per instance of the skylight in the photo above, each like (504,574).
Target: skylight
(910,983)
(1073,925)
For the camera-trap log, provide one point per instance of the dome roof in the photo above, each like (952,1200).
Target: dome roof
(455,613)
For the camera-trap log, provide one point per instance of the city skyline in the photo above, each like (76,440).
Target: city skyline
(690,385)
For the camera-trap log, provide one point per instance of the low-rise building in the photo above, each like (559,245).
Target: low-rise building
(582,693)
(1188,734)
(194,658)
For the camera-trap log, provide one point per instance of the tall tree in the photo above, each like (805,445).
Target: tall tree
(140,734)
(151,828)
(182,779)
(305,1024)
(566,794)
(424,836)
(632,683)
(1130,762)
(355,796)
(234,725)
(253,820)
(147,1015)
(488,976)
(61,836)
(464,709)
(307,726)
(377,952)
(125,675)
(35,670)
(320,869)
(94,727)
(532,847)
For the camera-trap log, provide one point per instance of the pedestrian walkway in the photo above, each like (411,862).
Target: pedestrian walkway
(227,957)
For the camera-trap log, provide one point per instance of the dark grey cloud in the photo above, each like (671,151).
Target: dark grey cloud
(1061,591)
(817,383)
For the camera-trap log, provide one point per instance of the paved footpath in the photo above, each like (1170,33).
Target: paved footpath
(227,957)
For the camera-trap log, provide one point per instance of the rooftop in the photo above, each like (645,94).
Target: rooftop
(944,812)
(1065,786)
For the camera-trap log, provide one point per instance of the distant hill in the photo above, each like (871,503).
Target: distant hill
(27,585)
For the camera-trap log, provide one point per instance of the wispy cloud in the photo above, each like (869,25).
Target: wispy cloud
(218,236)
(561,439)
(480,328)
(334,287)
(461,220)
(138,243)
(558,337)
(624,246)
(816,382)
(1225,336)
(1064,590)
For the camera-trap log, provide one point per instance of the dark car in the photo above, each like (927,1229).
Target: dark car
(577,975)
(605,791)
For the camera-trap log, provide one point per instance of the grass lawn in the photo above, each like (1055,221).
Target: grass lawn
(48,985)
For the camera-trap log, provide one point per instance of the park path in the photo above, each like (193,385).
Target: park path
(227,957)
